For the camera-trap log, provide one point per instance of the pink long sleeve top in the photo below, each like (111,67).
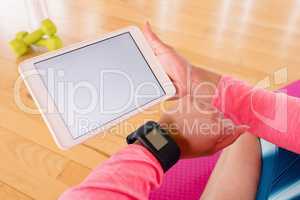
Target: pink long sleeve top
(134,172)
(130,174)
(272,116)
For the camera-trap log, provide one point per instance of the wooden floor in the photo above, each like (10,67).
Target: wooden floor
(251,39)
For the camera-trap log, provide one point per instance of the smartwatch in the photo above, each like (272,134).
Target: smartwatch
(158,142)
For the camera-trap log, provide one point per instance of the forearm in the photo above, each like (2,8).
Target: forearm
(272,116)
(204,75)
(130,174)
(203,84)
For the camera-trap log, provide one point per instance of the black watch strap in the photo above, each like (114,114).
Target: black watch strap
(158,142)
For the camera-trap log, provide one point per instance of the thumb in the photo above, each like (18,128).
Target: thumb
(231,136)
(156,44)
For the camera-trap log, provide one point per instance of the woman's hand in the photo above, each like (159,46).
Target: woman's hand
(178,69)
(187,79)
(198,128)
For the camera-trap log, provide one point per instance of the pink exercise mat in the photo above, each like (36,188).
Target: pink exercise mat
(187,179)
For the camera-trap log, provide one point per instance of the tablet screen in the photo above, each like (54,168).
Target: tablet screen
(98,83)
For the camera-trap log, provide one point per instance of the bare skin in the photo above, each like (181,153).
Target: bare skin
(195,88)
(236,174)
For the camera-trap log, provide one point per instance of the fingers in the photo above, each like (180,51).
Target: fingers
(156,44)
(231,137)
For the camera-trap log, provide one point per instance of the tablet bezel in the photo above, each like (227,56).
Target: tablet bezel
(43,99)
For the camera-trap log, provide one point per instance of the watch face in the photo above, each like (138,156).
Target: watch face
(156,139)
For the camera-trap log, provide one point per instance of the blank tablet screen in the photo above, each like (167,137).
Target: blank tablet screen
(98,83)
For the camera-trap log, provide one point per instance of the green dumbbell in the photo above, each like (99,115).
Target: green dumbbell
(18,46)
(47,28)
(23,40)
(51,43)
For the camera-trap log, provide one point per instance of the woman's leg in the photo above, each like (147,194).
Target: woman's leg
(237,171)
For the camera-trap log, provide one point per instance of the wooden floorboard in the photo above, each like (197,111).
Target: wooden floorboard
(9,193)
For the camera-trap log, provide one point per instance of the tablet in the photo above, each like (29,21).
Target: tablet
(90,86)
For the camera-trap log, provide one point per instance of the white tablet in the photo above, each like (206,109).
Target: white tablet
(90,86)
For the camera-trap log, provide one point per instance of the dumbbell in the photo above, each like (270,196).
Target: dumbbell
(17,45)
(51,43)
(23,40)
